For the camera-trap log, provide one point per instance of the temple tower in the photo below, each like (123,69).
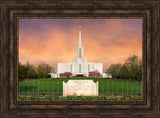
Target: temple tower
(80,50)
(79,66)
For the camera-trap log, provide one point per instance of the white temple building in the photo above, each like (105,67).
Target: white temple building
(79,65)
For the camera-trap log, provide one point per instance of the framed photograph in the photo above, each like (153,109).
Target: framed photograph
(79,58)
(44,70)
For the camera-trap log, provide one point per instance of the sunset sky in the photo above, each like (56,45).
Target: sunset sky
(107,41)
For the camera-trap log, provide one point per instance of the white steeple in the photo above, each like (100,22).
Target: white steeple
(79,65)
(80,41)
(80,50)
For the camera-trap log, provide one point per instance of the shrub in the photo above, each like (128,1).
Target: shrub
(95,74)
(61,74)
(65,75)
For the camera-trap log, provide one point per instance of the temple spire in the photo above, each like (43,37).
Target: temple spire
(80,42)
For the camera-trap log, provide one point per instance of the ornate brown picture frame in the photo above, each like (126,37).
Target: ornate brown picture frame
(12,10)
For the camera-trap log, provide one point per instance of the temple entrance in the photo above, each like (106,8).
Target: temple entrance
(79,76)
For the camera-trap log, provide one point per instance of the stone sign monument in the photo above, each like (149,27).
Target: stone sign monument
(80,87)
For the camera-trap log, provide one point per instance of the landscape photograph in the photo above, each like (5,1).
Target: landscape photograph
(80,59)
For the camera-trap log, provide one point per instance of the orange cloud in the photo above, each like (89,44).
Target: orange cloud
(108,43)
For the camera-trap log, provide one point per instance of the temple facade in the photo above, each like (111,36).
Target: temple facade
(79,65)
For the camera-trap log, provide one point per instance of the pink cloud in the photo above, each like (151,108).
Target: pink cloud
(55,44)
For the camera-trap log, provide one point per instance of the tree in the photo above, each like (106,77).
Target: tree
(31,71)
(43,70)
(94,74)
(132,60)
(124,73)
(131,69)
(139,70)
(22,71)
(66,75)
(114,70)
(134,66)
(26,71)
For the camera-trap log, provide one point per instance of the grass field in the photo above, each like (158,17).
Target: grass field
(55,87)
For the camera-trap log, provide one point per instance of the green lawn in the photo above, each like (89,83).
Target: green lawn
(55,87)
